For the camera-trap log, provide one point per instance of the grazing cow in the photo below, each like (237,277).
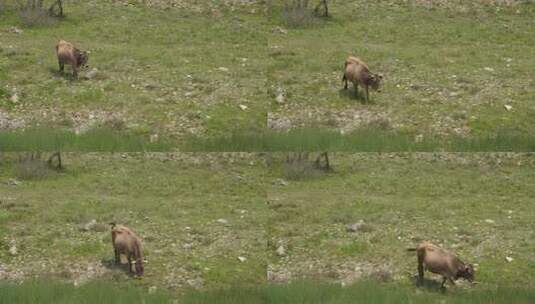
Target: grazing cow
(68,54)
(358,72)
(440,261)
(126,242)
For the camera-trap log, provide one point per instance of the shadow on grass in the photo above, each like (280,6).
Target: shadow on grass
(111,265)
(66,74)
(428,284)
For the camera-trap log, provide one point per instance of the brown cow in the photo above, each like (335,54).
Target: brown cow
(126,242)
(358,72)
(440,261)
(68,54)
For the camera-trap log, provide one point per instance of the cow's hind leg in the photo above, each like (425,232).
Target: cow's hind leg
(356,86)
(117,257)
(130,262)
(420,270)
(443,285)
(74,72)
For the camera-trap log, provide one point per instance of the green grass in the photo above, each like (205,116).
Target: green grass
(47,292)
(371,292)
(299,292)
(450,67)
(479,205)
(173,201)
(362,140)
(95,140)
(159,68)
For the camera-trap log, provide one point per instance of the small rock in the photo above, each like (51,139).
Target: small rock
(12,182)
(15,30)
(419,138)
(361,226)
(282,182)
(489,221)
(13,249)
(509,259)
(14,98)
(243,107)
(242,259)
(91,73)
(223,69)
(89,226)
(489,69)
(281,251)
(280,99)
(222,221)
(508,107)
(280,30)
(153,137)
(152,289)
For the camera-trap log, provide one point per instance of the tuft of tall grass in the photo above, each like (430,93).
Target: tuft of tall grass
(33,13)
(373,292)
(363,140)
(31,166)
(96,140)
(296,292)
(296,13)
(59,293)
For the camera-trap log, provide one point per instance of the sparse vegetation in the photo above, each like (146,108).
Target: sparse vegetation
(306,219)
(362,140)
(299,292)
(195,213)
(100,139)
(451,68)
(297,13)
(162,67)
(356,222)
(33,165)
(34,12)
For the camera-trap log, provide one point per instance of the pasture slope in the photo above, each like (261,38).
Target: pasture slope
(172,68)
(209,234)
(452,68)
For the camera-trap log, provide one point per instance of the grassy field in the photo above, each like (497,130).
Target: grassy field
(360,140)
(450,68)
(101,139)
(298,292)
(477,205)
(197,214)
(175,70)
